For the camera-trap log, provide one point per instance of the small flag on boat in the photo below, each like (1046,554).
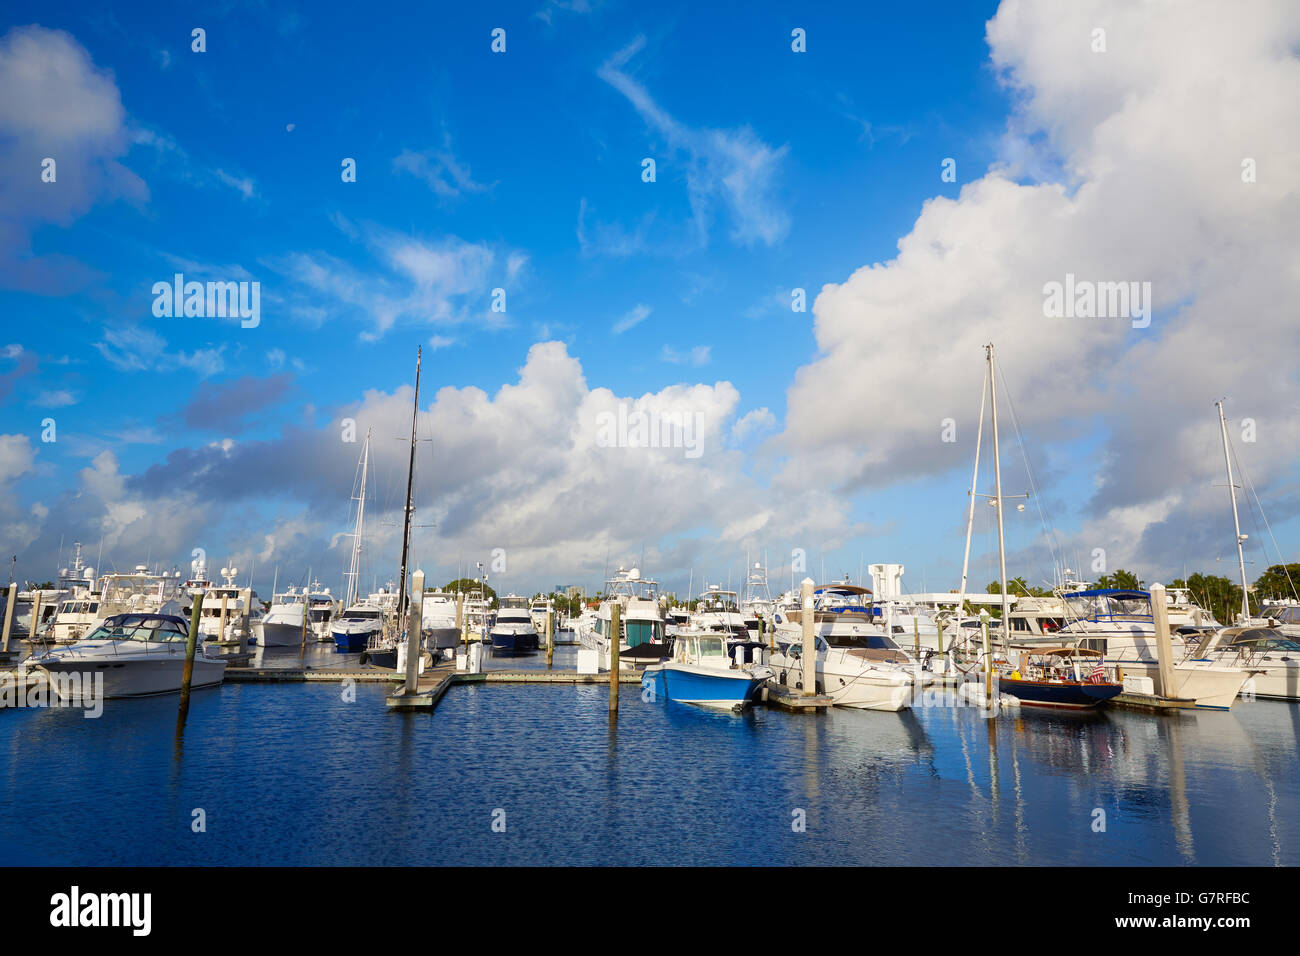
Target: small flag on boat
(1098,675)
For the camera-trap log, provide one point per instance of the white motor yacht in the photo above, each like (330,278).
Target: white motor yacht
(1272,658)
(135,654)
(513,632)
(866,671)
(1118,623)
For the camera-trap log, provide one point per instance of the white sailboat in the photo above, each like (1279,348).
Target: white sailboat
(361,621)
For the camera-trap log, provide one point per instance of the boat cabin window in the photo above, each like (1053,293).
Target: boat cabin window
(139,627)
(711,647)
(875,641)
(641,632)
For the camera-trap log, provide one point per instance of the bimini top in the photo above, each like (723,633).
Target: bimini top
(841,589)
(1111,592)
(164,622)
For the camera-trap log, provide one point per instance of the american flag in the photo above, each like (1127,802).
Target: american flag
(1098,675)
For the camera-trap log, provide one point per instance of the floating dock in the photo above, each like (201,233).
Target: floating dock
(787,698)
(1152,703)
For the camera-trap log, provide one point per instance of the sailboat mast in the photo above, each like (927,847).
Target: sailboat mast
(354,569)
(1236,521)
(974,478)
(410,492)
(997,477)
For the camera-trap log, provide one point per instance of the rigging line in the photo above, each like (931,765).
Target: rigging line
(1250,485)
(1048,533)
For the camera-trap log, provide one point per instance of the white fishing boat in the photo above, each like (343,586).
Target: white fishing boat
(135,655)
(701,672)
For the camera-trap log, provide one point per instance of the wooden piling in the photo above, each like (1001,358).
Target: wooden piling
(414,628)
(460,621)
(1164,648)
(10,604)
(187,675)
(807,619)
(615,639)
(550,635)
(245,632)
(306,608)
(916,633)
(221,628)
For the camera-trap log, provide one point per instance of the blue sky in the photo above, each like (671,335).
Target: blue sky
(523,171)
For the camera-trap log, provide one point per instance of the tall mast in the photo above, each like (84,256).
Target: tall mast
(974,478)
(1236,522)
(354,569)
(997,477)
(410,502)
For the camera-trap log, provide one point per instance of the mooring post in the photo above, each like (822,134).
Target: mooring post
(1164,648)
(916,633)
(988,659)
(806,618)
(460,619)
(221,630)
(245,598)
(187,674)
(550,636)
(302,650)
(10,603)
(615,638)
(414,627)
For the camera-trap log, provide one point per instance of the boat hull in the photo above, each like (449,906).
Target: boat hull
(349,641)
(281,634)
(1067,695)
(702,686)
(380,657)
(507,644)
(140,677)
(1212,687)
(441,638)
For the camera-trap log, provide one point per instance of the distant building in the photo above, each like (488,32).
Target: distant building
(568,590)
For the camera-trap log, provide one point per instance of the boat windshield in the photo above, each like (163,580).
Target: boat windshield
(873,641)
(139,627)
(711,647)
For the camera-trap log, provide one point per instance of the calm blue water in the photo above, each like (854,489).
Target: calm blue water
(294,774)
